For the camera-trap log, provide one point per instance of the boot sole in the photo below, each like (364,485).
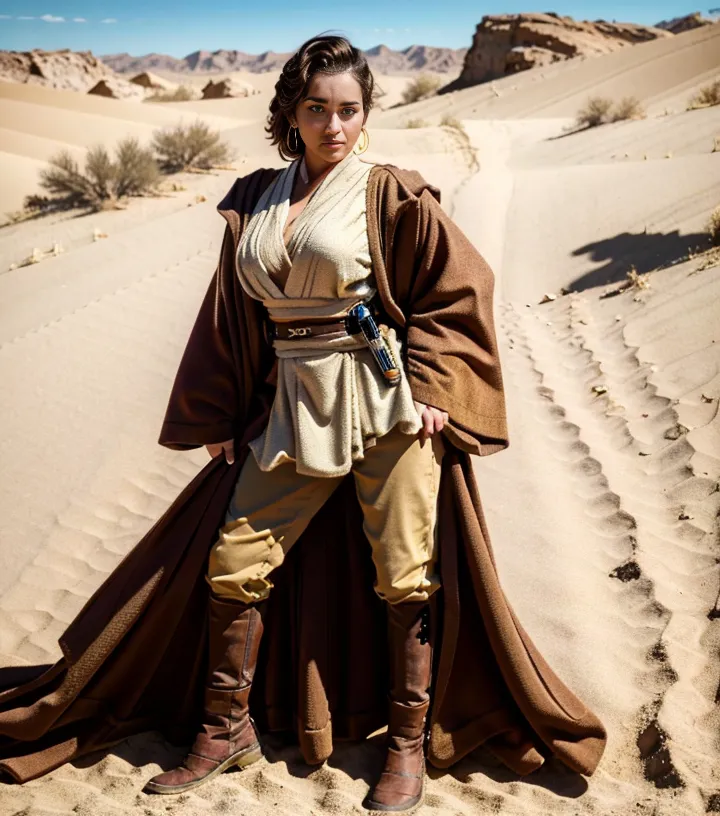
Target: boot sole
(414,804)
(241,759)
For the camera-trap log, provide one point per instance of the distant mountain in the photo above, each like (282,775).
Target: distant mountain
(126,64)
(381,59)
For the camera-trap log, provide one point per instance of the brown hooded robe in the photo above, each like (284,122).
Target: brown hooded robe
(134,657)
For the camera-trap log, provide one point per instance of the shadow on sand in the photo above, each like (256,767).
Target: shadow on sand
(646,251)
(357,760)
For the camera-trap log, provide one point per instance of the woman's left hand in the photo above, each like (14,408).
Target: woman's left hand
(433,419)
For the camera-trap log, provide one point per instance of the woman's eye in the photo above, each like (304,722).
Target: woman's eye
(319,108)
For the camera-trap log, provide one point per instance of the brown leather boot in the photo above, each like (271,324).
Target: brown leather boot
(227,736)
(402,781)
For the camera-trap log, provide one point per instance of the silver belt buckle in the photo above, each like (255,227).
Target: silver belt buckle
(300,331)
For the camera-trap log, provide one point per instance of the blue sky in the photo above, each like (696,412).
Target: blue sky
(178,27)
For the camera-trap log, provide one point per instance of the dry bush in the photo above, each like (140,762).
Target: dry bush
(422,87)
(713,226)
(637,281)
(451,122)
(628,108)
(102,183)
(416,123)
(706,97)
(190,147)
(182,93)
(65,183)
(137,171)
(596,112)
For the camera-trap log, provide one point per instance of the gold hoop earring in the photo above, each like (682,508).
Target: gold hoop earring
(366,143)
(287,140)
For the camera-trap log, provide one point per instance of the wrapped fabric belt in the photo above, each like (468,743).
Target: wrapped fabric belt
(290,330)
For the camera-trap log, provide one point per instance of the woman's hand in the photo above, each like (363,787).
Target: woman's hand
(227,447)
(433,420)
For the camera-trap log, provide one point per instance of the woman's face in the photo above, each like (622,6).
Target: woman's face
(330,117)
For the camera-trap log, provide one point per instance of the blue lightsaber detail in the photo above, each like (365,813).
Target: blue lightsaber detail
(378,345)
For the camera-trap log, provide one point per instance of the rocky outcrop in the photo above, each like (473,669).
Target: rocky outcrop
(146,79)
(64,69)
(117,88)
(381,59)
(226,88)
(687,23)
(507,43)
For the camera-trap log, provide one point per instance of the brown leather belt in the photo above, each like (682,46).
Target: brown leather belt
(291,330)
(296,330)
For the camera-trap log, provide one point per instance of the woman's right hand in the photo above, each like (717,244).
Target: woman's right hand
(227,447)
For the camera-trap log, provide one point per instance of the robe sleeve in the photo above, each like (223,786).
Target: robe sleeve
(452,356)
(203,404)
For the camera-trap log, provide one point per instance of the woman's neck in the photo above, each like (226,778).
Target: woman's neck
(313,169)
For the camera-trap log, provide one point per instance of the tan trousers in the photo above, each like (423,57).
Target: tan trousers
(397,485)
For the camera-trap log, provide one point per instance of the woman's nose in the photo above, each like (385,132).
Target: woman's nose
(333,125)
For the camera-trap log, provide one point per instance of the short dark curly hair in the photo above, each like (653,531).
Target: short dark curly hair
(326,53)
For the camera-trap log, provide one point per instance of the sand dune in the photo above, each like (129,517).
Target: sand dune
(603,511)
(145,113)
(39,122)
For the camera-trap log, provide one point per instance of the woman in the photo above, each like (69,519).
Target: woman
(304,254)
(335,517)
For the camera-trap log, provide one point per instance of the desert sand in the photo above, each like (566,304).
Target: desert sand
(603,512)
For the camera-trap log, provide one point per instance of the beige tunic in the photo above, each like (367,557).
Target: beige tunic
(331,401)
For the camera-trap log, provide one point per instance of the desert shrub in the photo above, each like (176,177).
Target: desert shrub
(421,88)
(713,226)
(136,170)
(596,112)
(181,94)
(628,108)
(451,122)
(707,96)
(102,183)
(416,123)
(64,181)
(187,147)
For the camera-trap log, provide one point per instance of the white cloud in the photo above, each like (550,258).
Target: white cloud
(79,20)
(109,20)
(51,18)
(26,18)
(5,16)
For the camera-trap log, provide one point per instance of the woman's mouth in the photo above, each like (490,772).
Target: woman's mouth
(333,144)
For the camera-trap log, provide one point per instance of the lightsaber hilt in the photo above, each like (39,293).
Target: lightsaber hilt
(361,317)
